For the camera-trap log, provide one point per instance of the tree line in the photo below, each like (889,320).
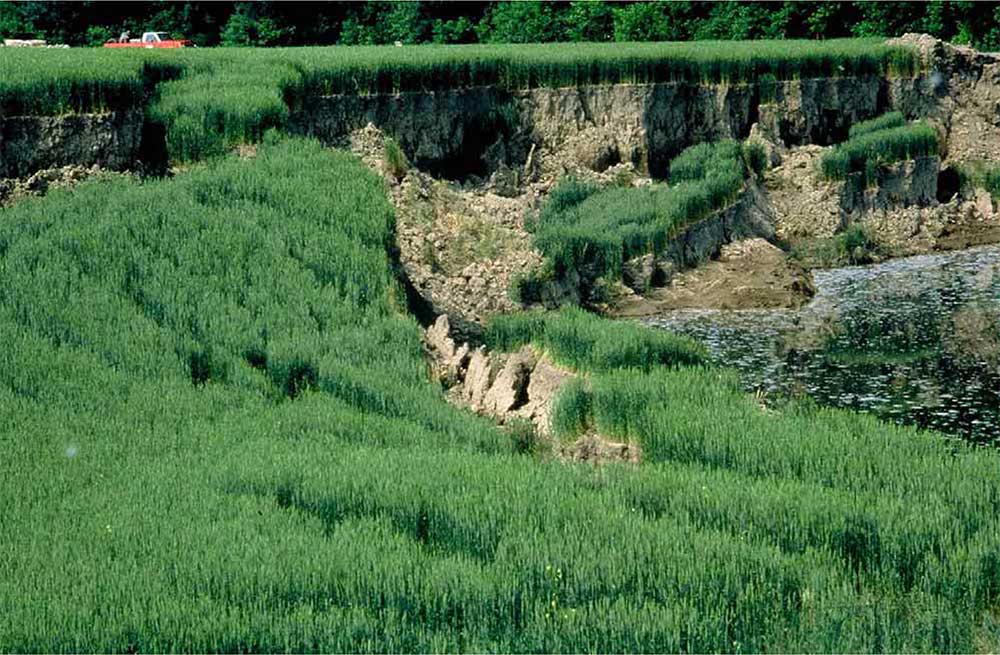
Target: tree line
(274,23)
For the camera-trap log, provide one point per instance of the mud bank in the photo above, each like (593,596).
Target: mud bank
(111,141)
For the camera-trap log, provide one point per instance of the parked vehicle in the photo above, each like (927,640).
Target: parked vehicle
(150,40)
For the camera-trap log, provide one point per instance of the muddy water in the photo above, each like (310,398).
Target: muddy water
(914,340)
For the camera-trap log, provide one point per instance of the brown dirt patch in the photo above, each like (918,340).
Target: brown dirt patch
(749,274)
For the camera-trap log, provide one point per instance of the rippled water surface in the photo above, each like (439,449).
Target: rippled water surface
(914,340)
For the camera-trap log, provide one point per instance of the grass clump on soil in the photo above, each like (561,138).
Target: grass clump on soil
(866,153)
(979,175)
(395,158)
(591,231)
(571,410)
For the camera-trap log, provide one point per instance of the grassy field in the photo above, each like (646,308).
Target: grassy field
(219,435)
(213,99)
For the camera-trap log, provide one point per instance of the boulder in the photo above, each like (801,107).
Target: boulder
(546,379)
(478,378)
(439,340)
(637,273)
(509,390)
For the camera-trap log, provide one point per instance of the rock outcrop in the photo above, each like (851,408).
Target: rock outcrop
(594,127)
(520,385)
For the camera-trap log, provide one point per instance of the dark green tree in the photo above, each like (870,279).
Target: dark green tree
(589,21)
(250,26)
(522,22)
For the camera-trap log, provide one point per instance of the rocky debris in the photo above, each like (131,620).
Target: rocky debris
(749,274)
(804,204)
(959,224)
(545,380)
(900,213)
(39,182)
(521,384)
(450,360)
(960,94)
(459,245)
(509,390)
(593,447)
(515,386)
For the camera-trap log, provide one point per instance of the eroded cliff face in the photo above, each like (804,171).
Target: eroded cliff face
(475,131)
(32,143)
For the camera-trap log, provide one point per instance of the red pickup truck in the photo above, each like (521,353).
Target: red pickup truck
(150,40)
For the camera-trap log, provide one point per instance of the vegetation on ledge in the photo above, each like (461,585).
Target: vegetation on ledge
(877,143)
(594,231)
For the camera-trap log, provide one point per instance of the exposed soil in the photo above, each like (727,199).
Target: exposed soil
(749,274)
(805,205)
(462,244)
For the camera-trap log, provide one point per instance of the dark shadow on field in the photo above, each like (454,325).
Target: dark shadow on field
(430,528)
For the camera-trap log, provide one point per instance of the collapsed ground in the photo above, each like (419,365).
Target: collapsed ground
(268,414)
(464,243)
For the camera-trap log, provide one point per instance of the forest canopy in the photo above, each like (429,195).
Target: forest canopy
(356,23)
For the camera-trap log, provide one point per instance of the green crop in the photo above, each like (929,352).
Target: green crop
(877,147)
(384,69)
(799,477)
(59,81)
(218,433)
(883,122)
(589,343)
(582,229)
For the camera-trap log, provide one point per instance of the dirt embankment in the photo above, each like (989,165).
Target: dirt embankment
(749,274)
(29,144)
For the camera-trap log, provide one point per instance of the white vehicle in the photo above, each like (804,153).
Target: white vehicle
(150,40)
